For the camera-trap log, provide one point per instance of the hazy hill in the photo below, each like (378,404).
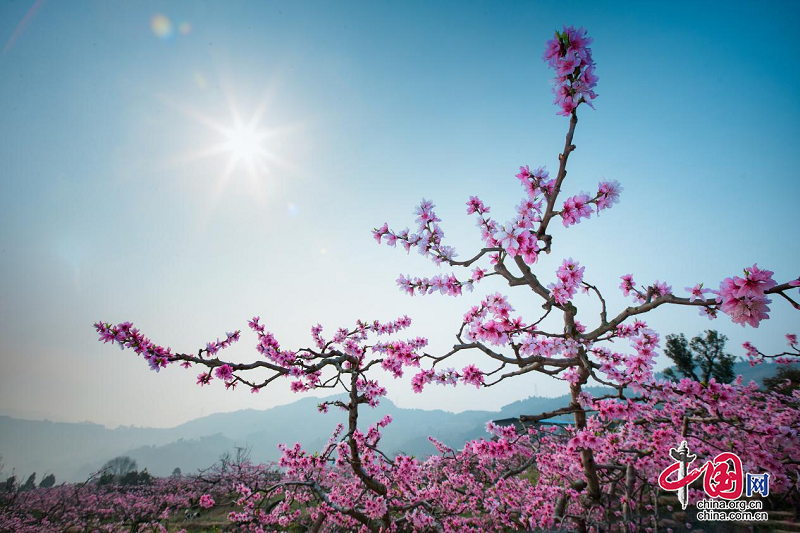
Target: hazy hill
(73,450)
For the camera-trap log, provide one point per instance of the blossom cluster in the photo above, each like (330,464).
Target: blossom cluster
(744,298)
(400,354)
(470,375)
(491,321)
(568,53)
(125,335)
(518,237)
(427,239)
(446,284)
(570,277)
(792,355)
(647,293)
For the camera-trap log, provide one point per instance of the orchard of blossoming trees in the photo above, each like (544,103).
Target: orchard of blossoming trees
(157,505)
(598,474)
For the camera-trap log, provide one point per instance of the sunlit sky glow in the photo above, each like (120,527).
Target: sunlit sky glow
(244,141)
(188,165)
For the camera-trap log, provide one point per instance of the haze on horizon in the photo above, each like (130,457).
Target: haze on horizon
(130,189)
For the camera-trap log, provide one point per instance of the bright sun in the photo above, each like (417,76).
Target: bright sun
(245,143)
(250,146)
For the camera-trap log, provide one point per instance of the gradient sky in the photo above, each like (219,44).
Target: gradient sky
(107,210)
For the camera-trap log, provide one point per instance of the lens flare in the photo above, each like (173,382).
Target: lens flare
(200,80)
(161,26)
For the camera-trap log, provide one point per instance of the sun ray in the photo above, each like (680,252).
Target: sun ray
(253,150)
(193,113)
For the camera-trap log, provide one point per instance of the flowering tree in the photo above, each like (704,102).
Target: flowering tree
(105,502)
(576,352)
(598,472)
(91,507)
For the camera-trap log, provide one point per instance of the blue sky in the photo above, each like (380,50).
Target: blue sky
(108,211)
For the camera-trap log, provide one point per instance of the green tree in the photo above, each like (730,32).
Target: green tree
(700,359)
(47,481)
(136,478)
(119,466)
(106,478)
(30,484)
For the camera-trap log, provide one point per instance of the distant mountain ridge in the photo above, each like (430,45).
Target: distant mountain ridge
(73,450)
